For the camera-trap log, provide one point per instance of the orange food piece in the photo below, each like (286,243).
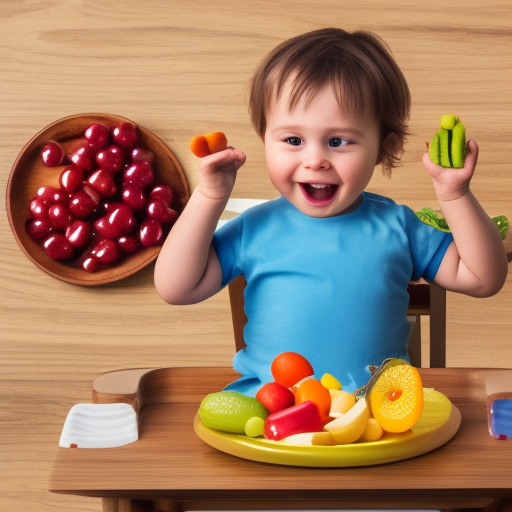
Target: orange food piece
(288,368)
(204,145)
(314,390)
(396,398)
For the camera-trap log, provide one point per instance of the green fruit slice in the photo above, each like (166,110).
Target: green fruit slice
(444,145)
(458,146)
(229,411)
(433,149)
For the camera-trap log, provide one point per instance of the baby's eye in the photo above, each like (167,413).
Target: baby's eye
(294,141)
(336,142)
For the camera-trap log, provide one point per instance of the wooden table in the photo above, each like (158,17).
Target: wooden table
(170,468)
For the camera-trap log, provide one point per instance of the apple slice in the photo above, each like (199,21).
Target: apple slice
(349,427)
(309,439)
(341,402)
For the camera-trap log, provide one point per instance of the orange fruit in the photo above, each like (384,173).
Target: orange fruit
(314,390)
(396,398)
(288,368)
(204,145)
(275,397)
(217,141)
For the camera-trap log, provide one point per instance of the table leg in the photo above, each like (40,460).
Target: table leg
(126,505)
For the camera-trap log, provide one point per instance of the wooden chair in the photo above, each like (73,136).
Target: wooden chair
(424,300)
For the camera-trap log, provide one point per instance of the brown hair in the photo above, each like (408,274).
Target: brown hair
(361,70)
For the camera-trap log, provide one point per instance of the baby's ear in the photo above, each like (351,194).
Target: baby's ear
(391,150)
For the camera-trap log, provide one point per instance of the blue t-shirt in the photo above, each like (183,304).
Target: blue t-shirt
(332,289)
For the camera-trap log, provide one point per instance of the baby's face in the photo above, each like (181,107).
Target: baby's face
(317,157)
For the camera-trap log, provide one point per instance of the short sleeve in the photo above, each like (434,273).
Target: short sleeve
(428,246)
(227,244)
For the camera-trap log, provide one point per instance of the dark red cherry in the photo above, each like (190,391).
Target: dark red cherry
(38,208)
(103,228)
(106,251)
(110,159)
(125,134)
(103,183)
(51,195)
(58,216)
(84,202)
(162,192)
(91,264)
(38,229)
(142,154)
(128,244)
(119,221)
(71,178)
(52,154)
(58,247)
(97,135)
(150,233)
(82,154)
(79,233)
(157,209)
(134,197)
(139,173)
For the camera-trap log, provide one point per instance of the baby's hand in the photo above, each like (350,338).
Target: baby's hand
(217,173)
(451,183)
(219,164)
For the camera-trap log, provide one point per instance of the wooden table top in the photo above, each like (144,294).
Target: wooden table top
(170,461)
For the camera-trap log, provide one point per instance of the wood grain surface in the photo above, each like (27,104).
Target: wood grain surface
(170,461)
(179,69)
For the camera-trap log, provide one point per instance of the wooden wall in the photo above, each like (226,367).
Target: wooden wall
(181,68)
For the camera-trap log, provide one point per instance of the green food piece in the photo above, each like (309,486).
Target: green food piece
(458,146)
(448,121)
(433,218)
(433,149)
(502,224)
(444,146)
(448,146)
(254,427)
(229,411)
(437,220)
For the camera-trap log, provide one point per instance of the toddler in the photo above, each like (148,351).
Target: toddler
(327,264)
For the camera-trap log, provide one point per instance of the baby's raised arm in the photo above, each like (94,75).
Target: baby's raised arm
(187,270)
(476,263)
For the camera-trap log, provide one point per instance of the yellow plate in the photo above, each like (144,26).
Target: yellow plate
(438,423)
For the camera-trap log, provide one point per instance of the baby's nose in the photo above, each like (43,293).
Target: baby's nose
(316,158)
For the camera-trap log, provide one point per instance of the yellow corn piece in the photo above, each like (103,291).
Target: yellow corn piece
(330,382)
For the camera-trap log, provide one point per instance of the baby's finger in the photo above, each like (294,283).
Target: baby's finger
(471,154)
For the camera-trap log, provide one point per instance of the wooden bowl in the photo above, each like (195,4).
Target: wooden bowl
(29,173)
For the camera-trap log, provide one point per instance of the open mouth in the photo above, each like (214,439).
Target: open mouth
(318,191)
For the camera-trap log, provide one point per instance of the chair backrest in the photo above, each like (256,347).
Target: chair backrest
(424,300)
